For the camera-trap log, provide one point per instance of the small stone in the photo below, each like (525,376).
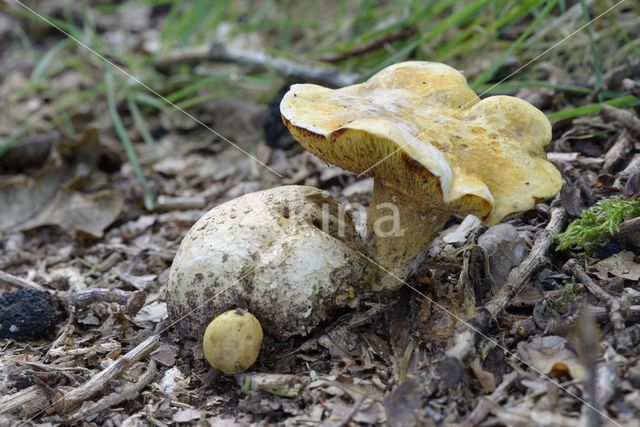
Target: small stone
(505,248)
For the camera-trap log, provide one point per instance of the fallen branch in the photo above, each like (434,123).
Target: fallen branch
(128,392)
(99,382)
(20,282)
(290,70)
(27,401)
(133,301)
(465,338)
(602,313)
(623,342)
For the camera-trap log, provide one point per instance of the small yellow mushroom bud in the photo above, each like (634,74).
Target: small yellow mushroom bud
(232,341)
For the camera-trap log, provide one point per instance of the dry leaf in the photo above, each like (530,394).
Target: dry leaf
(186,415)
(620,265)
(151,313)
(79,213)
(49,198)
(282,385)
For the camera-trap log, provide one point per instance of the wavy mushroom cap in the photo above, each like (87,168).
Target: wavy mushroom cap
(445,145)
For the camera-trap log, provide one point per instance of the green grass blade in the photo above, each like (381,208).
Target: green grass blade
(43,63)
(597,63)
(124,138)
(490,71)
(14,137)
(585,110)
(140,123)
(150,101)
(455,47)
(458,17)
(195,86)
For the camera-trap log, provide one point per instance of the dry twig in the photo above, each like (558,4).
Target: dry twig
(623,342)
(127,392)
(19,282)
(99,382)
(290,70)
(29,401)
(133,301)
(464,339)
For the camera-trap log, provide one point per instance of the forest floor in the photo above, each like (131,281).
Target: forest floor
(99,183)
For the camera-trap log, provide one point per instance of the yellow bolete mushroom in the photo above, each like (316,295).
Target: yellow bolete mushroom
(434,149)
(232,341)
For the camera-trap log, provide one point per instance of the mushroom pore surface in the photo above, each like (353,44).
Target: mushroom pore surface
(289,255)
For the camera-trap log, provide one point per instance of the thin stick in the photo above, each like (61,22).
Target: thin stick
(623,340)
(28,400)
(99,382)
(464,339)
(290,70)
(20,282)
(128,392)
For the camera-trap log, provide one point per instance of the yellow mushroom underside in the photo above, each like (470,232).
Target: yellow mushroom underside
(444,144)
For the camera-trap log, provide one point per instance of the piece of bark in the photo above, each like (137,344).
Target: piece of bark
(31,151)
(618,152)
(290,70)
(577,159)
(20,282)
(133,301)
(626,118)
(632,86)
(168,204)
(632,168)
(632,186)
(465,338)
(27,401)
(628,227)
(99,382)
(616,76)
(602,313)
(128,391)
(623,342)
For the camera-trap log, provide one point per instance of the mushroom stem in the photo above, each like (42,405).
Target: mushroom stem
(399,233)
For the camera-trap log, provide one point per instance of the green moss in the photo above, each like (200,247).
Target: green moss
(597,224)
(566,298)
